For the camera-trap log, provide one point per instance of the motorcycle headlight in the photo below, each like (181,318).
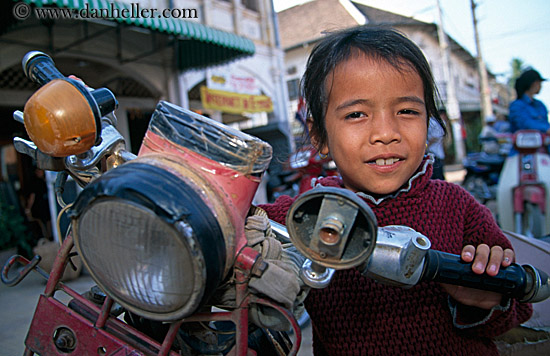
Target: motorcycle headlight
(529,139)
(149,240)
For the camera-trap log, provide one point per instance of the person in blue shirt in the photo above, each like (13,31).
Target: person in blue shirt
(526,112)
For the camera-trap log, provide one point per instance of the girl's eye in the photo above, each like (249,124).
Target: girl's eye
(408,112)
(355,115)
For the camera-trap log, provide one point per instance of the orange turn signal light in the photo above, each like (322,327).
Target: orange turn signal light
(59,120)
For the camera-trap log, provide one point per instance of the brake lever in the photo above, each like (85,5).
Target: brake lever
(43,161)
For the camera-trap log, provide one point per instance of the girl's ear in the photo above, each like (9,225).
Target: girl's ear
(314,139)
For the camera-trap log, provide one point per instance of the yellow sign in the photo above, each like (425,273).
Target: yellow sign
(234,103)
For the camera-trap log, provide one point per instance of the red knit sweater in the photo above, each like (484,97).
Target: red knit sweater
(356,316)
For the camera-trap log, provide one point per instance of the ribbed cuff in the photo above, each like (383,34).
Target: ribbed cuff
(465,317)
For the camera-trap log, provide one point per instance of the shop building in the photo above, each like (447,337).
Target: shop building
(216,57)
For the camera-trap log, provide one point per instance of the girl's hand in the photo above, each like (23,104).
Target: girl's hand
(77,78)
(485,260)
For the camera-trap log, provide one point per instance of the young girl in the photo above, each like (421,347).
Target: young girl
(370,93)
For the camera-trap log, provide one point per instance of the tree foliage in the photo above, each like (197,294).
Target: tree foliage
(13,232)
(518,66)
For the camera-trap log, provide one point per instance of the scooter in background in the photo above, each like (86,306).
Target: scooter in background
(483,170)
(523,194)
(301,170)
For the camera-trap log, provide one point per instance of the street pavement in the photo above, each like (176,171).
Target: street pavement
(17,308)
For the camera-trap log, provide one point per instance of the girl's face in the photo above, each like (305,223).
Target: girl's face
(376,124)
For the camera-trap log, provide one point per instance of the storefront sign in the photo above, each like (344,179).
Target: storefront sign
(234,103)
(232,79)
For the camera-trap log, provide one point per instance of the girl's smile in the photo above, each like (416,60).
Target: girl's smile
(376,124)
(386,163)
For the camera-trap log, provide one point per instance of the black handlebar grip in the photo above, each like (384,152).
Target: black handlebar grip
(40,68)
(512,281)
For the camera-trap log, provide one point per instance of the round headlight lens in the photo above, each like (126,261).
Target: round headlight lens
(149,241)
(140,258)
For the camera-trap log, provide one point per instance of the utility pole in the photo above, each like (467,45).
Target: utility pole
(485,99)
(452,107)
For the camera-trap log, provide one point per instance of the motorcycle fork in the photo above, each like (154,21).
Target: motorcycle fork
(248,263)
(86,328)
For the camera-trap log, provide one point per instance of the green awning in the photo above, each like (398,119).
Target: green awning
(199,45)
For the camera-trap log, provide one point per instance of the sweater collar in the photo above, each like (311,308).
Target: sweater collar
(415,184)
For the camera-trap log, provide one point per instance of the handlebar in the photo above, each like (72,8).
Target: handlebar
(525,283)
(40,68)
(394,255)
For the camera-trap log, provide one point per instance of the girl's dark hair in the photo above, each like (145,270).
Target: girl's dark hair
(376,42)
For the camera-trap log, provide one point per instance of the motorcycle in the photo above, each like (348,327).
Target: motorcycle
(161,233)
(483,169)
(523,193)
(158,232)
(301,171)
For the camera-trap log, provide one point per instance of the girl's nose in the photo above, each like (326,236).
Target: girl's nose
(384,129)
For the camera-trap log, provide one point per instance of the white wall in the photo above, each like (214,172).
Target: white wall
(465,76)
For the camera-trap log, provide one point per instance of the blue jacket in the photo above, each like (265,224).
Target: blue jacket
(527,113)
